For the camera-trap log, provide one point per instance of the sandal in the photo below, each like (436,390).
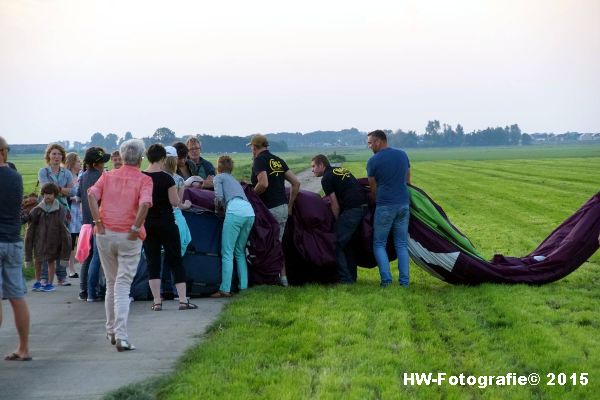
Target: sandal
(187,306)
(156,307)
(16,357)
(220,294)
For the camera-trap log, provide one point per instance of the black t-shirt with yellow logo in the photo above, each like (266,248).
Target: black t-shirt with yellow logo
(275,168)
(347,190)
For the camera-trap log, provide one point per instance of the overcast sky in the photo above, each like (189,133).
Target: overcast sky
(69,68)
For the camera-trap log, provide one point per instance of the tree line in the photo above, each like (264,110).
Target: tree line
(436,134)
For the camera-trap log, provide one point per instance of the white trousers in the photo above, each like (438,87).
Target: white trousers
(119,257)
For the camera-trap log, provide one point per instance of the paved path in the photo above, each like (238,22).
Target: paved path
(308,181)
(72,358)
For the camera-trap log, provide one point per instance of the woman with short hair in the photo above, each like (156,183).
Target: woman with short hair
(125,196)
(239,218)
(162,231)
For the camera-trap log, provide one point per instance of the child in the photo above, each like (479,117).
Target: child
(170,166)
(47,236)
(73,164)
(239,218)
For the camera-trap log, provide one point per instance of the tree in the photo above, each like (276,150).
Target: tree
(460,135)
(432,135)
(111,141)
(514,135)
(164,135)
(403,139)
(97,139)
(525,139)
(449,136)
(127,136)
(433,127)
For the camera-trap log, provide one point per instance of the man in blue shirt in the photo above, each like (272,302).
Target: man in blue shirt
(389,172)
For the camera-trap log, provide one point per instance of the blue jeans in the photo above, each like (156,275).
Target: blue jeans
(61,270)
(394,218)
(235,234)
(93,275)
(345,226)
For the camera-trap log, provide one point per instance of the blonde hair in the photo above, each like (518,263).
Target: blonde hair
(171,164)
(225,164)
(70,160)
(58,147)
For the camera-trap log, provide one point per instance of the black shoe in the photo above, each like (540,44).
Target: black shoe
(75,275)
(83,296)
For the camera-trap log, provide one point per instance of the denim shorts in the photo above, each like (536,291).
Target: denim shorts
(12,283)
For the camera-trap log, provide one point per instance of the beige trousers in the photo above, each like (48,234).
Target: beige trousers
(119,257)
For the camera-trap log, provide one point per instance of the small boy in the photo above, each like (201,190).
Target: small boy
(47,237)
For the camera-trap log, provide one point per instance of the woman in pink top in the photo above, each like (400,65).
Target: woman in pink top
(125,195)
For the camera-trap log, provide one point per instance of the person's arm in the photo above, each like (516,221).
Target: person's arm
(29,238)
(408,176)
(373,187)
(173,196)
(335,205)
(262,183)
(66,191)
(219,195)
(139,220)
(598,239)
(208,183)
(180,193)
(65,239)
(291,178)
(43,177)
(95,211)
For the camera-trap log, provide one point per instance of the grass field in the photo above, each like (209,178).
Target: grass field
(357,342)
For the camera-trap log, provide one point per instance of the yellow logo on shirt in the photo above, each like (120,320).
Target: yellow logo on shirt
(343,172)
(276,167)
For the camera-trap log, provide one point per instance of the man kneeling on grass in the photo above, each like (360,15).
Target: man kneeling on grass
(349,205)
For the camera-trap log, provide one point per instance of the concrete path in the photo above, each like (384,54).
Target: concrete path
(72,358)
(308,181)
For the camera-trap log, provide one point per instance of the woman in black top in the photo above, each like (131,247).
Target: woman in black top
(162,231)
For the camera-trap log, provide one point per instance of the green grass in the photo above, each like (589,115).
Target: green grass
(356,342)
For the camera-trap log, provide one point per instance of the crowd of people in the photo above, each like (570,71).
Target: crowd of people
(106,217)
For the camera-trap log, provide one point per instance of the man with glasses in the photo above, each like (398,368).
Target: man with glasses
(12,284)
(204,168)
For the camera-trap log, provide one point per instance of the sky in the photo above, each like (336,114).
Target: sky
(69,68)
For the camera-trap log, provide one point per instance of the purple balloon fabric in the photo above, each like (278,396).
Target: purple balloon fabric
(309,244)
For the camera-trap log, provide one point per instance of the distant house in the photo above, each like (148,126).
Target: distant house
(588,137)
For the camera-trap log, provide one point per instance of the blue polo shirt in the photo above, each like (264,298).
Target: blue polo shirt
(390,167)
